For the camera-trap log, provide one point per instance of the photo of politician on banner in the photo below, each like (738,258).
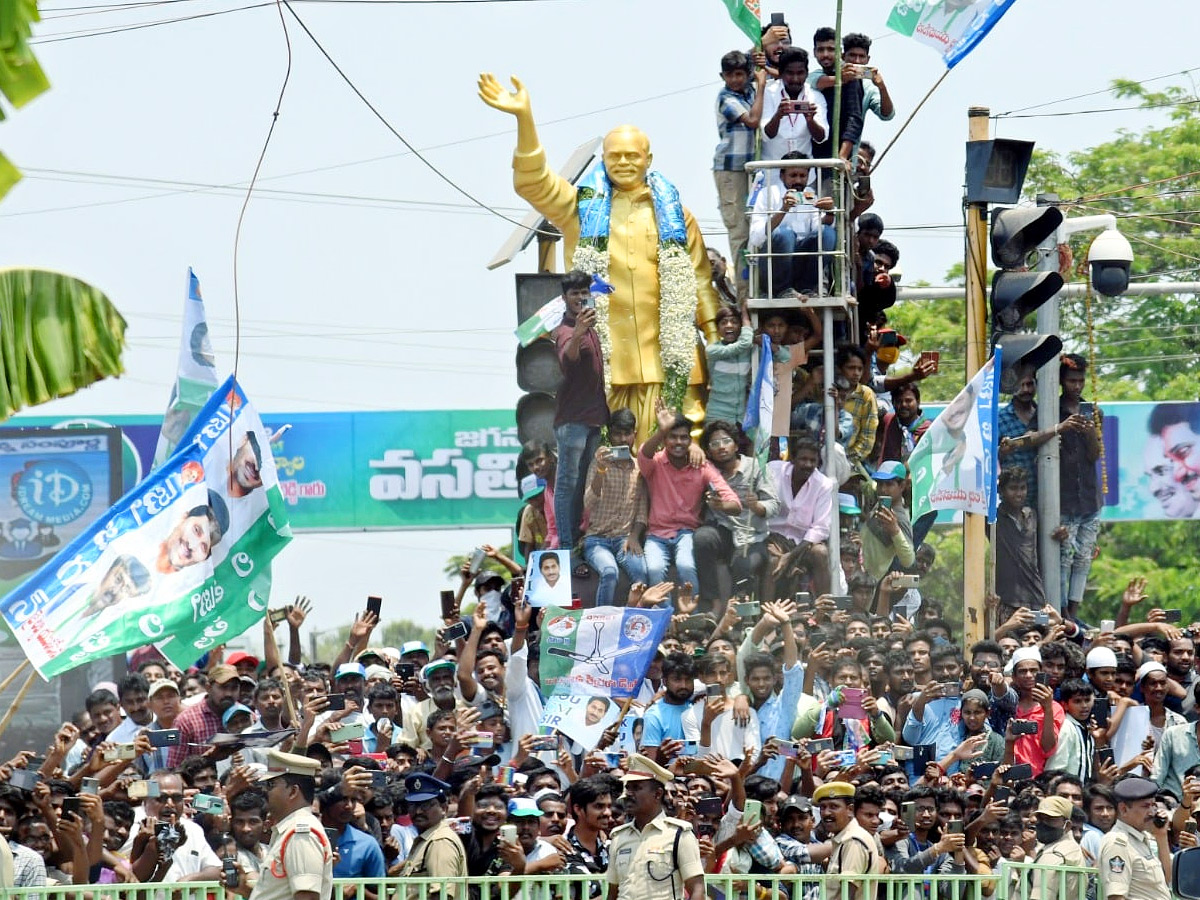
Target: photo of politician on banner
(183,560)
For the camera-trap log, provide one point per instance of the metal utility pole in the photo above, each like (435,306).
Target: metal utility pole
(974,537)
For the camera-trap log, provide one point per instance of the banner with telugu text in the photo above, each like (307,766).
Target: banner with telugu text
(602,652)
(951,27)
(747,16)
(183,560)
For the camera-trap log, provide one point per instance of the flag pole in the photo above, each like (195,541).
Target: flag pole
(937,84)
(13,675)
(16,704)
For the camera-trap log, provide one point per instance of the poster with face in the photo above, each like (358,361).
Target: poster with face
(580,717)
(548,579)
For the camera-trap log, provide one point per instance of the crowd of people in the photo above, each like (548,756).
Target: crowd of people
(802,715)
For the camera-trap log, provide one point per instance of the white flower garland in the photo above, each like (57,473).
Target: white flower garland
(676,315)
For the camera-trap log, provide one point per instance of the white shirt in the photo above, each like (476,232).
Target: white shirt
(728,738)
(793,133)
(803,218)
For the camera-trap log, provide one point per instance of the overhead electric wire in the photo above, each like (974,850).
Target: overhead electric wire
(1106,90)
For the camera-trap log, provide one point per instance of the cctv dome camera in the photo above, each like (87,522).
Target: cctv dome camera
(1110,258)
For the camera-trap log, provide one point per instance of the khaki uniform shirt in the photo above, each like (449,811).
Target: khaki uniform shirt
(650,864)
(436,853)
(298,859)
(855,852)
(1063,852)
(1129,865)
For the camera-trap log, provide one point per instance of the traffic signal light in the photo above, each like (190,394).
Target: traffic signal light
(538,372)
(1015,294)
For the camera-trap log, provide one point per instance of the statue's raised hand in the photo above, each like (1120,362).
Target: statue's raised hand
(494,94)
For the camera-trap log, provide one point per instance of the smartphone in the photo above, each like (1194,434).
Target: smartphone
(1172,615)
(1042,678)
(1086,409)
(1024,726)
(278,616)
(165,737)
(1106,756)
(902,754)
(752,813)
(714,690)
(803,598)
(140,790)
(695,767)
(207,803)
(955,826)
(545,742)
(336,701)
(406,670)
(1041,618)
(983,770)
(1190,826)
(820,746)
(690,748)
(621,451)
(461,825)
(843,602)
(1022,772)
(347,732)
(951,689)
(750,610)
(508,833)
(332,835)
(375,605)
(90,786)
(885,502)
(229,869)
(1001,793)
(456,632)
(379,781)
(479,739)
(612,760)
(777,19)
(710,806)
(933,356)
(1101,711)
(1107,626)
(119,753)
(477,559)
(448,604)
(697,623)
(910,815)
(72,805)
(906,581)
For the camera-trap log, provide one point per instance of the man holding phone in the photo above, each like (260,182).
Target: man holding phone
(581,409)
(1079,485)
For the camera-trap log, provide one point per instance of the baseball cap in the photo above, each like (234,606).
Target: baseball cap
(531,486)
(890,470)
(350,669)
(848,505)
(522,807)
(234,710)
(240,657)
(163,684)
(222,673)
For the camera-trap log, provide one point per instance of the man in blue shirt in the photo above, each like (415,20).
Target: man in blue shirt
(776,710)
(934,716)
(359,854)
(664,719)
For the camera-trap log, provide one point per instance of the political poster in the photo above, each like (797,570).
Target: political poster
(548,578)
(58,483)
(581,717)
(954,464)
(183,560)
(603,651)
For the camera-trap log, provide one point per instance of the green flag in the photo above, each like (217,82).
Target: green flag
(746,15)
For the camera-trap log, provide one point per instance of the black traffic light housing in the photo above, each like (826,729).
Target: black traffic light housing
(1020,352)
(1016,294)
(1016,232)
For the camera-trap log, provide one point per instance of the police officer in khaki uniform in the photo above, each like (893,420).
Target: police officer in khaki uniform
(652,857)
(437,852)
(854,849)
(299,861)
(1135,856)
(1058,848)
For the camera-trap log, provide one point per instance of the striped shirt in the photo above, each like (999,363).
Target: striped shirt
(736,145)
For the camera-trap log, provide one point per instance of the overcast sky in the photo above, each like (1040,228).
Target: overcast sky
(362,278)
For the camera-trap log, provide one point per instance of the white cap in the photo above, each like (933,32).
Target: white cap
(1146,668)
(1022,654)
(1101,658)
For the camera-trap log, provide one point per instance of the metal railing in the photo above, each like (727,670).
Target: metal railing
(828,265)
(1011,881)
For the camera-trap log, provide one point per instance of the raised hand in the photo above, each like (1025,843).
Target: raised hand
(497,96)
(297,612)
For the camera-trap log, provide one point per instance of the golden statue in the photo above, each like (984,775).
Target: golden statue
(625,224)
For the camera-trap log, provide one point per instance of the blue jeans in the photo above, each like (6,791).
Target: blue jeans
(797,272)
(1075,555)
(660,552)
(576,447)
(605,555)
